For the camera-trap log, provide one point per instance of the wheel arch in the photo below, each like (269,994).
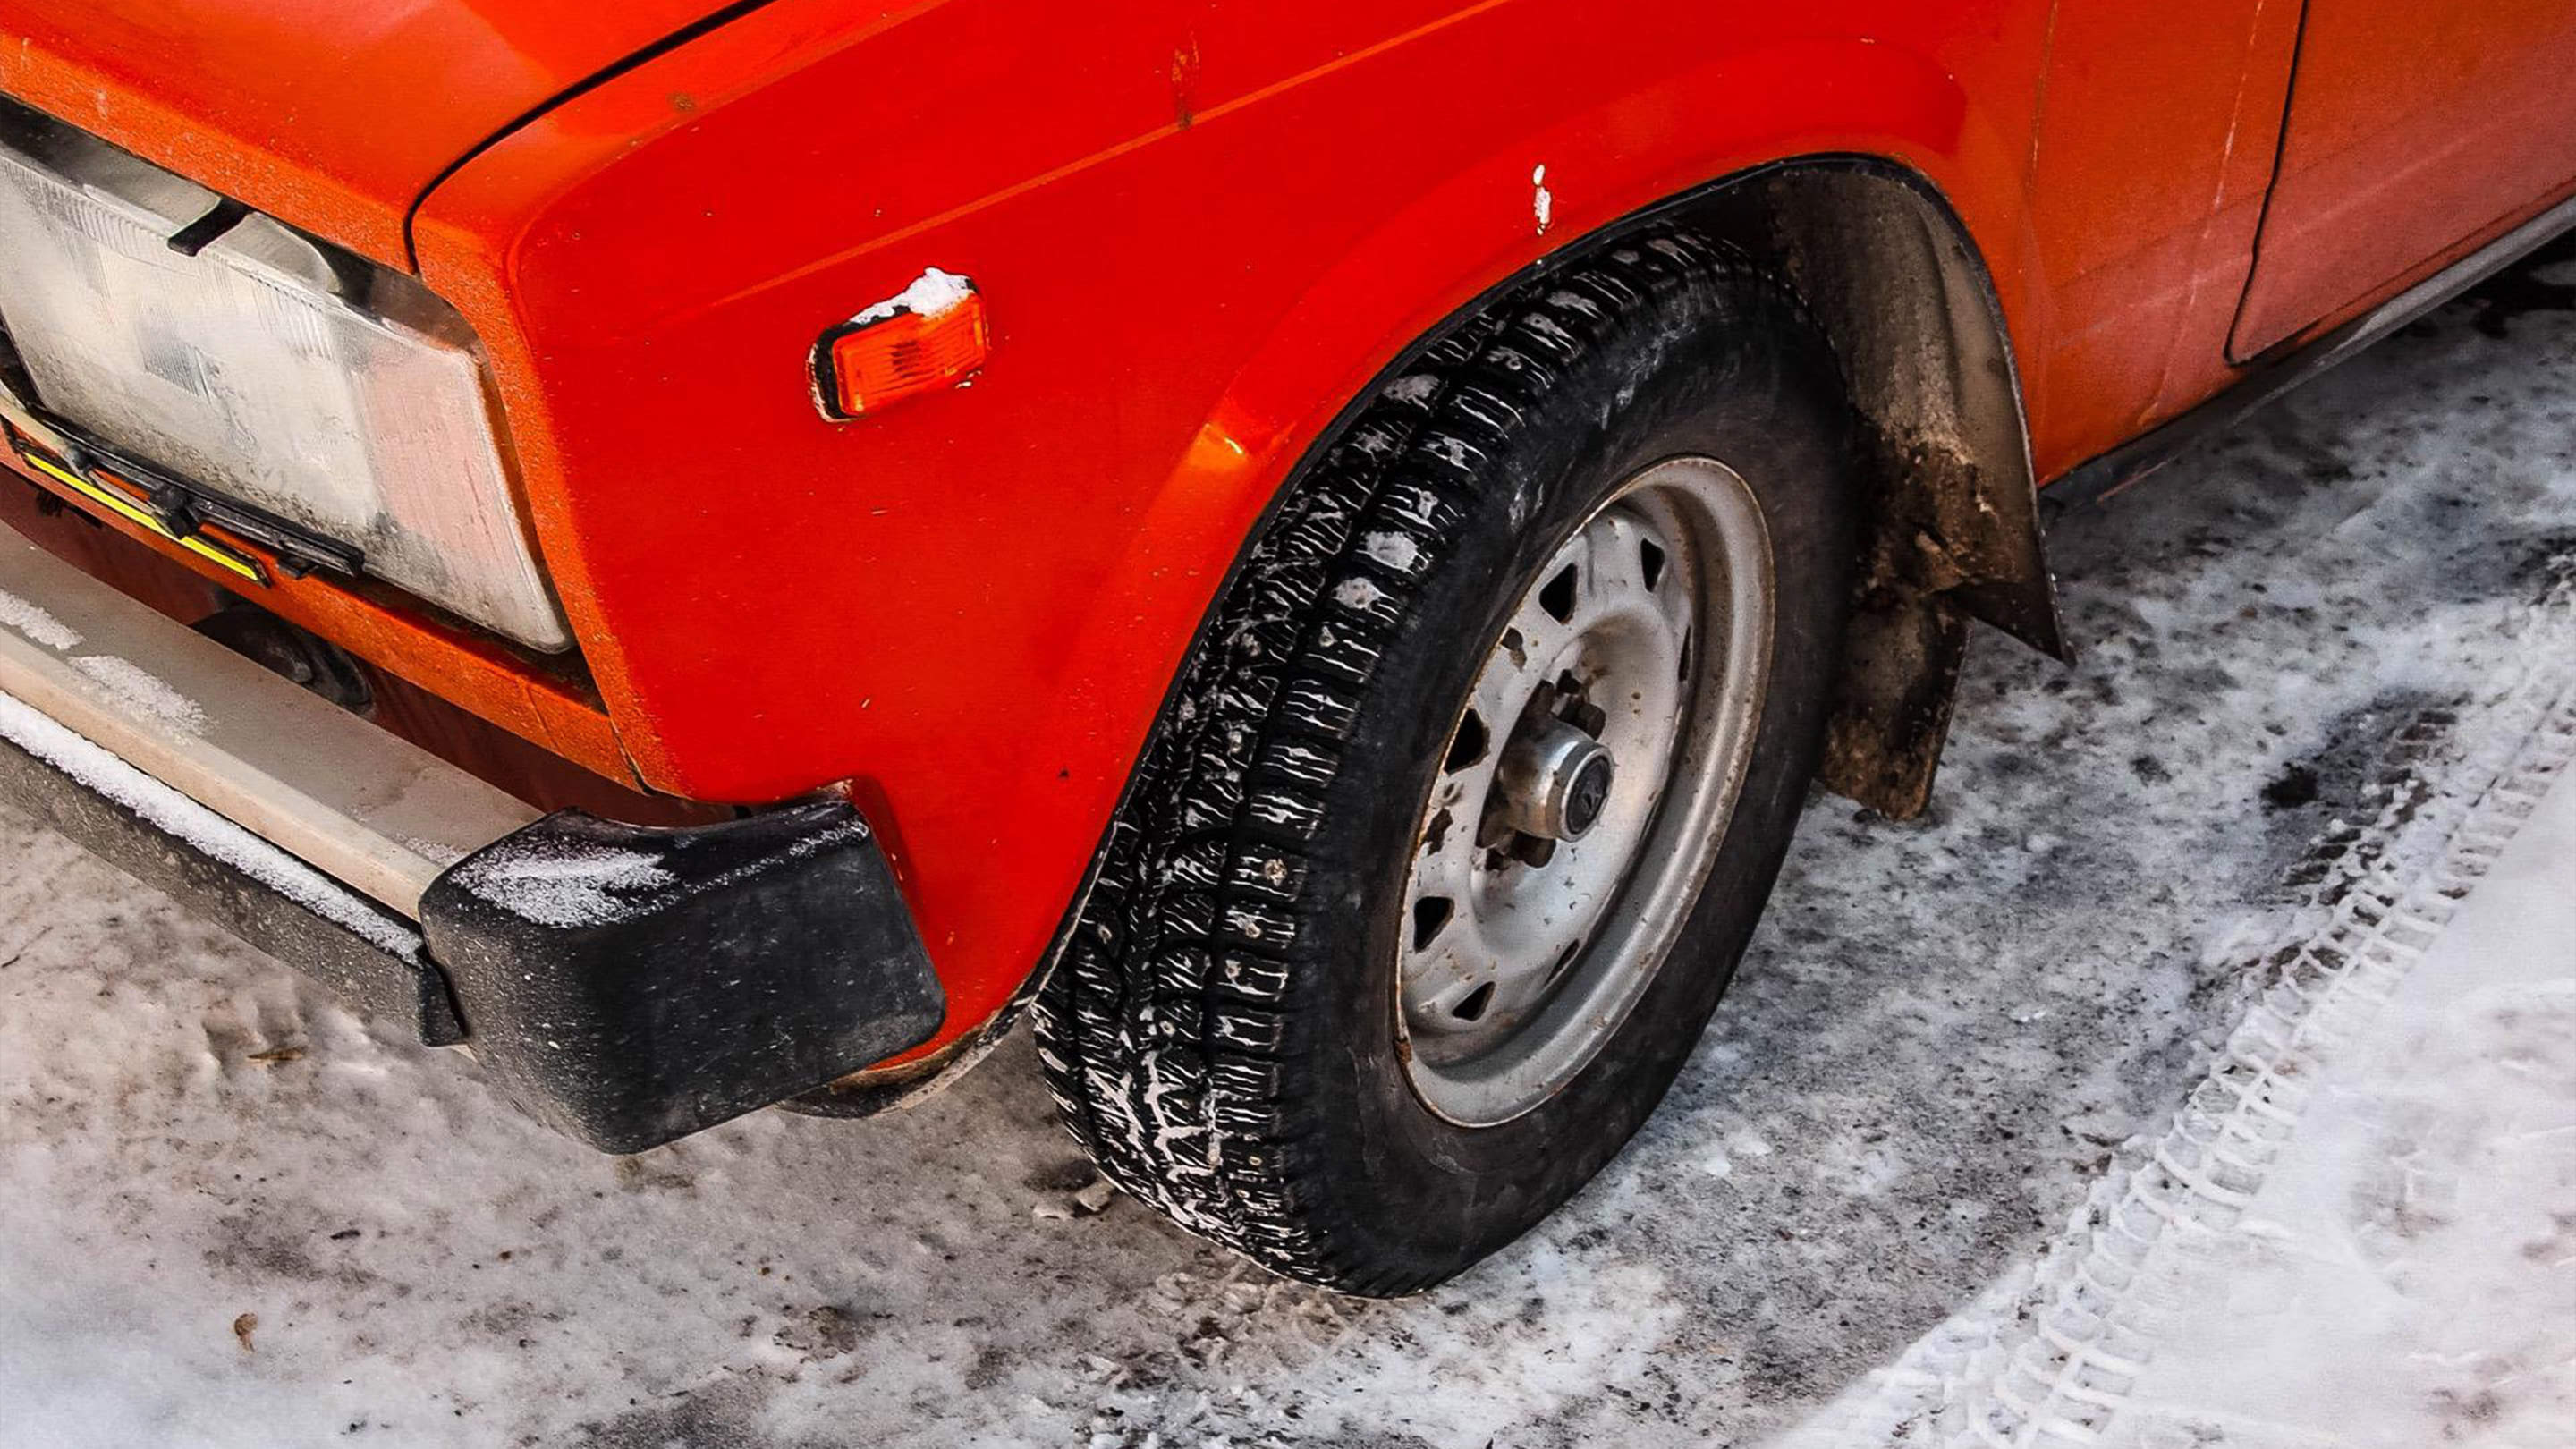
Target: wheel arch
(1954,530)
(1898,281)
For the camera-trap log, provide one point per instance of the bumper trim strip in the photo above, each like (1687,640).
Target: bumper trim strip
(359,805)
(370,957)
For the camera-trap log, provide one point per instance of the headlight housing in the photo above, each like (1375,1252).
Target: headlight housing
(266,367)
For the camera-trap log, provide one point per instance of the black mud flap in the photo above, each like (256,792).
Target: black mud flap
(630,986)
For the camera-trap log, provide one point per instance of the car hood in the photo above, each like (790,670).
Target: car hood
(333,115)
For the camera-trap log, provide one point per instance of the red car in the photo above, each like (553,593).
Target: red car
(715,554)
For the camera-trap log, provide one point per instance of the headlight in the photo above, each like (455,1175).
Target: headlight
(341,397)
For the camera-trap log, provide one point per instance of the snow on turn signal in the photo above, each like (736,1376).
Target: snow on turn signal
(931,335)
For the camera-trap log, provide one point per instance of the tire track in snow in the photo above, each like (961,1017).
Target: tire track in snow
(2045,1358)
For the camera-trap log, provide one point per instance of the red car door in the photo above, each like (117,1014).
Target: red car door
(2415,132)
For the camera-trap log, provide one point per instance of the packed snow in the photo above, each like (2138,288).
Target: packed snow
(932,295)
(1394,550)
(36,624)
(573,883)
(2324,671)
(2403,1276)
(2331,1184)
(142,694)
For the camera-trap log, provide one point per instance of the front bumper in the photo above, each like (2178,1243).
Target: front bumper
(625,985)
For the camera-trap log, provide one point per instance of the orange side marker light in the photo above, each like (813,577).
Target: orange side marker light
(932,335)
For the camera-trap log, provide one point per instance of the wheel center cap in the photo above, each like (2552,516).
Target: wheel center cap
(1555,781)
(1587,792)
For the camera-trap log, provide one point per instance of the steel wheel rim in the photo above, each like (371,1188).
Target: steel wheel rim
(1546,888)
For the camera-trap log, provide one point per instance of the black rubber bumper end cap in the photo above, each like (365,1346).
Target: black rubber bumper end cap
(630,986)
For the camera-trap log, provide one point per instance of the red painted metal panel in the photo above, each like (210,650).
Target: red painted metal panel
(2417,131)
(335,114)
(2154,149)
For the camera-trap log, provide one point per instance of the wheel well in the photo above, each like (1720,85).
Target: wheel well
(1953,532)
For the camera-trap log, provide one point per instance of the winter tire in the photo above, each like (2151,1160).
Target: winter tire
(1469,799)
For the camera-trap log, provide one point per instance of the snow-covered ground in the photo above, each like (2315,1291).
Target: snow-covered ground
(2197,1073)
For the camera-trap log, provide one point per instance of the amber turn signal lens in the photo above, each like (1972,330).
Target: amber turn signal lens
(933,336)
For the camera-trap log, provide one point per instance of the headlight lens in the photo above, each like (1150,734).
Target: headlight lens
(340,396)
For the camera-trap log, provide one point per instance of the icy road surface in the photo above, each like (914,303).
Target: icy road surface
(1961,1161)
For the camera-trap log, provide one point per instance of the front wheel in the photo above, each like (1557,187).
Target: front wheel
(1473,793)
